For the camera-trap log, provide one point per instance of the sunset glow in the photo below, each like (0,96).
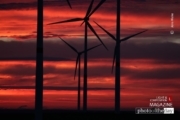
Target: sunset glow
(150,62)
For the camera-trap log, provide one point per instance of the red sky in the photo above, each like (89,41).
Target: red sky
(149,62)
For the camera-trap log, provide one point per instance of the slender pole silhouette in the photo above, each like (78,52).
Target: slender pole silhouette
(117,74)
(39,64)
(87,25)
(78,61)
(117,58)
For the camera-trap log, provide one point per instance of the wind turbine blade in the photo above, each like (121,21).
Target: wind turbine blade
(69,4)
(92,29)
(65,21)
(114,58)
(77,59)
(112,36)
(100,3)
(90,8)
(92,48)
(82,23)
(69,45)
(126,38)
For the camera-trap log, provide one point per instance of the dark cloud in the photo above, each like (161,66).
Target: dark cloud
(47,3)
(52,88)
(29,70)
(17,80)
(33,36)
(139,7)
(158,51)
(150,8)
(17,1)
(99,71)
(25,74)
(18,6)
(22,74)
(156,73)
(19,70)
(27,51)
(17,49)
(161,52)
(21,37)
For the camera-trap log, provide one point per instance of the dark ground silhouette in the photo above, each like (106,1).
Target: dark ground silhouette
(25,114)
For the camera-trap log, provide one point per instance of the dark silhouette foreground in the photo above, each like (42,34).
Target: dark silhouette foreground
(67,115)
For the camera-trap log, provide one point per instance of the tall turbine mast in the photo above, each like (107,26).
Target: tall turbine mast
(39,64)
(117,72)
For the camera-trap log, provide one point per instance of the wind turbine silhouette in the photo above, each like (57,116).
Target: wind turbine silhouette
(39,62)
(121,40)
(78,61)
(86,20)
(87,24)
(117,58)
